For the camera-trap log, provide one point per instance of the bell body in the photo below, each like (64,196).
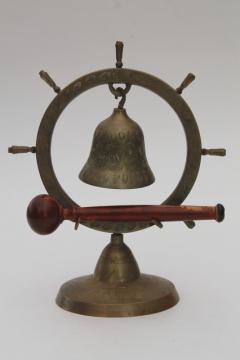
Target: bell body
(117,159)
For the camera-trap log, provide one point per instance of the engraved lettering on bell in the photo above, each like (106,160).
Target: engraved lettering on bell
(117,158)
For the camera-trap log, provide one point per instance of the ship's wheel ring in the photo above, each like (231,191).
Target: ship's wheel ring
(116,76)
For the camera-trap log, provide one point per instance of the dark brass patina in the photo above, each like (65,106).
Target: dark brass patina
(186,82)
(117,288)
(47,78)
(119,53)
(214,152)
(21,149)
(117,159)
(119,76)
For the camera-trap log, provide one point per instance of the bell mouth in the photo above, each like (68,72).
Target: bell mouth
(115,185)
(117,158)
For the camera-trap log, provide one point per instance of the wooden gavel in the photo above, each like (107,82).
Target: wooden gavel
(44,214)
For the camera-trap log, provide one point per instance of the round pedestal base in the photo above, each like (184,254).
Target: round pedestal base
(88,296)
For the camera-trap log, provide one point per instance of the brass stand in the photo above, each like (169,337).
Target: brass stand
(117,288)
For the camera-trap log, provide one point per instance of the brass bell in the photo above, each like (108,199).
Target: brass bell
(117,159)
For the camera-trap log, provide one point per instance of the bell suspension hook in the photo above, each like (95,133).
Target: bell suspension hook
(120,92)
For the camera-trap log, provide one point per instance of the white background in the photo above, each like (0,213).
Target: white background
(167,38)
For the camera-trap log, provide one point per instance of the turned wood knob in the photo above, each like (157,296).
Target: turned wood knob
(44,214)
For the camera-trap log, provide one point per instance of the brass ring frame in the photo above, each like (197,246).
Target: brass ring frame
(115,76)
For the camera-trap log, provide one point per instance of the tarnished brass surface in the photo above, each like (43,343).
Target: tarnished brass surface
(114,76)
(117,159)
(16,149)
(120,92)
(117,288)
(122,227)
(47,78)
(214,152)
(88,296)
(186,82)
(119,53)
(117,264)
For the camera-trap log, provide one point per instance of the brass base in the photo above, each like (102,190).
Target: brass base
(117,288)
(147,295)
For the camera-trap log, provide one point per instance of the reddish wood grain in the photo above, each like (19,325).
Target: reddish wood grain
(45,214)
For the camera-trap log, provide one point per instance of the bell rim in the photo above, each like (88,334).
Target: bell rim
(128,187)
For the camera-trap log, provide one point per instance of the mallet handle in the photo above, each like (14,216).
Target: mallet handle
(144,213)
(44,214)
